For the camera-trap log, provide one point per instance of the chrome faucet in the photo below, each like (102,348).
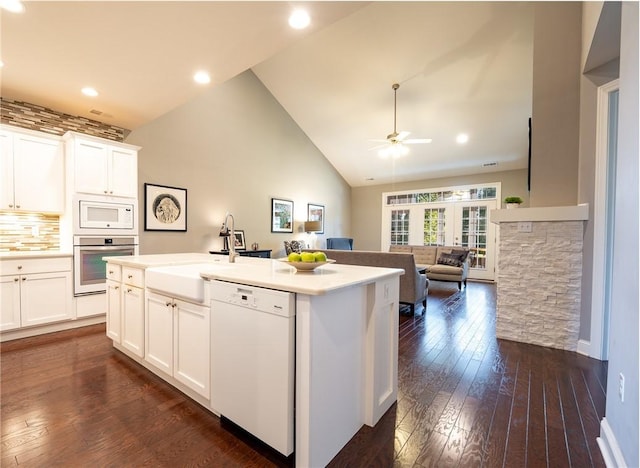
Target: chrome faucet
(232,241)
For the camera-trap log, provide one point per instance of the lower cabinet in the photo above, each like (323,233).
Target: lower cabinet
(133,319)
(114,310)
(178,340)
(35,292)
(125,307)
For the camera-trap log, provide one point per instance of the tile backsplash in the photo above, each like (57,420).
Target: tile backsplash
(42,119)
(29,231)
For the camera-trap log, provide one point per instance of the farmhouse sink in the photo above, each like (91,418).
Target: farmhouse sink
(182,280)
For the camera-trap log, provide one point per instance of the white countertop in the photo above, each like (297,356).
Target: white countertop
(274,274)
(547,213)
(26,254)
(266,273)
(147,261)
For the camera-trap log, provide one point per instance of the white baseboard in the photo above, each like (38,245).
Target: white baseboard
(584,347)
(609,447)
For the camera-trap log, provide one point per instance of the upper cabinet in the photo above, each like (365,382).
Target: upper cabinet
(31,172)
(101,167)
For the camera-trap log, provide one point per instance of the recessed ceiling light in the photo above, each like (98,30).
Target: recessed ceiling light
(88,91)
(462,138)
(202,77)
(1,64)
(14,6)
(299,19)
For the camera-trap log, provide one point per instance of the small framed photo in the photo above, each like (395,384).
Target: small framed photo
(316,213)
(281,215)
(240,243)
(165,208)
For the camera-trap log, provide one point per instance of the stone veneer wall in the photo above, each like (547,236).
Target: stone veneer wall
(41,119)
(539,278)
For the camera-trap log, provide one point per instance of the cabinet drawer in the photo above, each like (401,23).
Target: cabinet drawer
(39,265)
(114,272)
(133,276)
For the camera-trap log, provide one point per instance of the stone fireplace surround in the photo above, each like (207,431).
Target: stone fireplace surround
(539,274)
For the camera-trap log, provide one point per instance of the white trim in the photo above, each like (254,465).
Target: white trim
(600,222)
(609,447)
(584,347)
(548,213)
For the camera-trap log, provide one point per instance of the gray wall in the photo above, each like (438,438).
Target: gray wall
(366,202)
(624,351)
(233,148)
(556,103)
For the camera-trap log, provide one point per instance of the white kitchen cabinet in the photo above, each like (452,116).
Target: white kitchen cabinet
(32,172)
(35,292)
(9,302)
(178,340)
(114,310)
(101,167)
(133,310)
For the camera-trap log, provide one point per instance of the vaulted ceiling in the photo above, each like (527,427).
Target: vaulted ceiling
(463,67)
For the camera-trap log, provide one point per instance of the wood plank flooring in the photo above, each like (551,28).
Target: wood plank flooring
(466,399)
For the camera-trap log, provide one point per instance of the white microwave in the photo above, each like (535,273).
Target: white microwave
(96,216)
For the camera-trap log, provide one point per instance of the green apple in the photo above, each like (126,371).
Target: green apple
(308,257)
(294,257)
(320,256)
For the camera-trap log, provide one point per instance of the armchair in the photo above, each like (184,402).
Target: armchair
(339,243)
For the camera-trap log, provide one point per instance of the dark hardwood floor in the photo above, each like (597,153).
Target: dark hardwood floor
(466,399)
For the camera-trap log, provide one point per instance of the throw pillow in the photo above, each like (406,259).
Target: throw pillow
(463,253)
(450,259)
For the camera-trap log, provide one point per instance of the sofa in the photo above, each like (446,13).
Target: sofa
(440,263)
(414,286)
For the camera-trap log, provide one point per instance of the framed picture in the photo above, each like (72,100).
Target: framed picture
(240,242)
(281,215)
(165,208)
(316,213)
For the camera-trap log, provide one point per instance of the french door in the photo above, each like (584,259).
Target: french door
(464,223)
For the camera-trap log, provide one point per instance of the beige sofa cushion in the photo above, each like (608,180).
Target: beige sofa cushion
(424,254)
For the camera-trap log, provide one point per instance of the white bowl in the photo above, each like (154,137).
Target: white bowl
(306,266)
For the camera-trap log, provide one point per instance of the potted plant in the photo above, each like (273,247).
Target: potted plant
(512,202)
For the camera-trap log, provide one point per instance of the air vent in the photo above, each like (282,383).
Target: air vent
(99,112)
(490,164)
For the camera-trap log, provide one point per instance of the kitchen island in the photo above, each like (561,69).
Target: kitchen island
(345,341)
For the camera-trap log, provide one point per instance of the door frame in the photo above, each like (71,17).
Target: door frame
(602,242)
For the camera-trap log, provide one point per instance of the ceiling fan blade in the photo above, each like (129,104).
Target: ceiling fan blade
(379,146)
(402,135)
(413,141)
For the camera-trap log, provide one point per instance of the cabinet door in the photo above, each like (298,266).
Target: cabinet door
(159,336)
(9,302)
(38,166)
(45,297)
(123,177)
(192,354)
(133,320)
(114,310)
(6,171)
(91,166)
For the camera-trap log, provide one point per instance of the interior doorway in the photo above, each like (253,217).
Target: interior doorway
(604,219)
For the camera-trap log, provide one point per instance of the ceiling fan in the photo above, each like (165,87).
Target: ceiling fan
(394,144)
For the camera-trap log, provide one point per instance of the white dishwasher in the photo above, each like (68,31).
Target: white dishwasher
(253,360)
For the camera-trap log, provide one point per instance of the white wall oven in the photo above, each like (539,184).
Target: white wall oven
(89,269)
(99,216)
